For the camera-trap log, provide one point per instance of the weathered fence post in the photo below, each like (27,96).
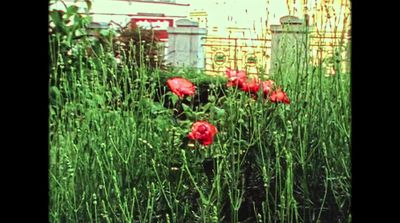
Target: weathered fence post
(288,45)
(185,44)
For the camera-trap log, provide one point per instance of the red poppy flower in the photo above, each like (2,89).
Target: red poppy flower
(181,86)
(203,132)
(251,86)
(267,86)
(235,78)
(279,96)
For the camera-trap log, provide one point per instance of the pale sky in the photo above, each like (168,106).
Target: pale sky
(220,10)
(251,14)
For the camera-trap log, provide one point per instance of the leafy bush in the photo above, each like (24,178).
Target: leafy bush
(140,47)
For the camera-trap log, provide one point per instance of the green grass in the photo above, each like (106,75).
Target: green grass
(117,155)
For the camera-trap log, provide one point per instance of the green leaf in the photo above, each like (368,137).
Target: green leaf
(80,32)
(219,112)
(187,109)
(72,10)
(206,107)
(174,98)
(55,93)
(105,32)
(56,18)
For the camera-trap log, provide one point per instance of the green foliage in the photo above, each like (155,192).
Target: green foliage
(197,77)
(119,155)
(140,47)
(68,25)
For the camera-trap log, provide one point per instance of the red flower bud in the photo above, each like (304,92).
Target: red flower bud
(181,86)
(235,78)
(251,86)
(279,96)
(267,87)
(203,132)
